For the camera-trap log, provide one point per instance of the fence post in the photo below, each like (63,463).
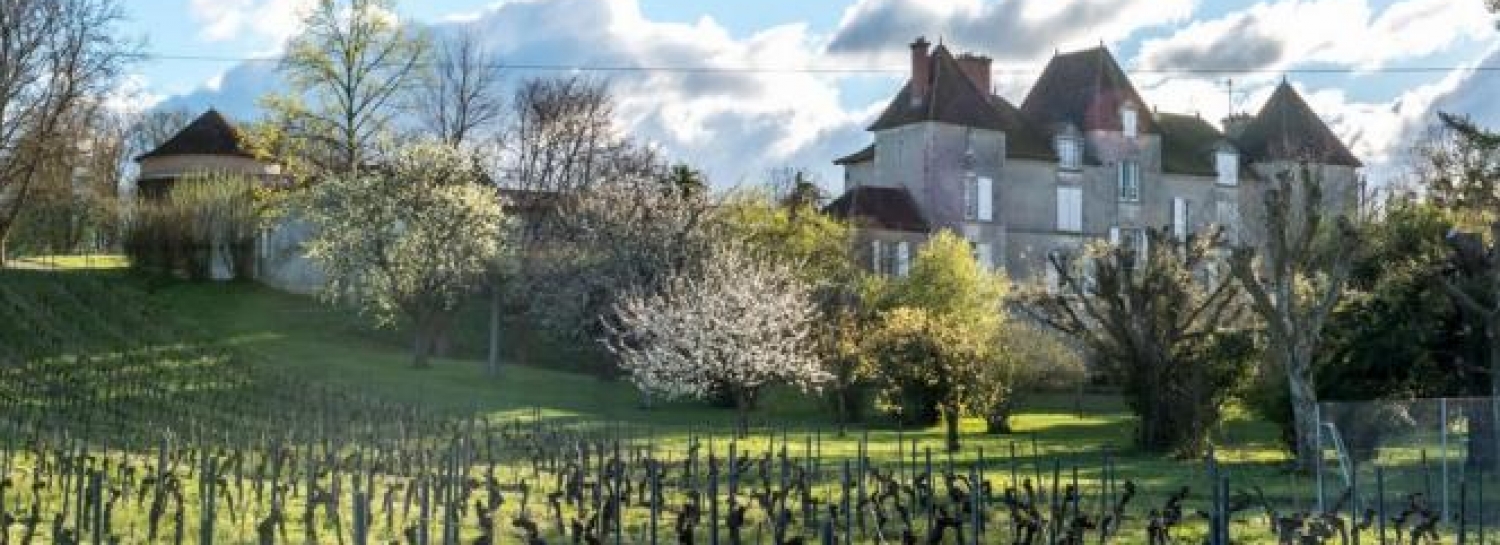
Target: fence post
(1443,445)
(1318,460)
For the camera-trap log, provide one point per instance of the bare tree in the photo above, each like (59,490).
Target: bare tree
(1159,322)
(560,144)
(152,128)
(54,56)
(355,60)
(463,93)
(1294,284)
(562,136)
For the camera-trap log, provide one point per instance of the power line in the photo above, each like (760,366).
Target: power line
(561,67)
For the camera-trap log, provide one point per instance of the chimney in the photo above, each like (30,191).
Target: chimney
(977,67)
(1235,124)
(921,71)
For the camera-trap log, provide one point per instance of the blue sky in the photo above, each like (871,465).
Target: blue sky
(739,126)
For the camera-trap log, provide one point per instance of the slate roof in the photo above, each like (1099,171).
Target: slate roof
(1287,129)
(954,98)
(1188,144)
(1085,88)
(209,134)
(867,154)
(885,207)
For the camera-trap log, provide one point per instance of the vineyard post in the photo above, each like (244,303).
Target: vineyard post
(713,496)
(846,506)
(1354,504)
(864,468)
(654,473)
(96,511)
(975,508)
(927,475)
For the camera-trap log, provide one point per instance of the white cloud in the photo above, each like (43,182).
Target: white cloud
(1283,33)
(269,20)
(1009,30)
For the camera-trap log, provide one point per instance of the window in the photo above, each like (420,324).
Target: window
(890,258)
(1132,239)
(1069,153)
(1180,218)
(1070,209)
(971,197)
(1228,163)
(980,251)
(1229,218)
(1128,121)
(979,201)
(1050,277)
(1130,181)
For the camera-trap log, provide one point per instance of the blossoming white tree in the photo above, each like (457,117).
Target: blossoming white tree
(732,321)
(410,239)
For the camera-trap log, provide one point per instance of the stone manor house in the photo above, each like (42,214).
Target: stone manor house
(1083,158)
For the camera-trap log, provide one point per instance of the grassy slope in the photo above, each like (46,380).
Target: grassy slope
(307,339)
(304,340)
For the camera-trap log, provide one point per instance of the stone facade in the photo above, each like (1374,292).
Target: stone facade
(947,142)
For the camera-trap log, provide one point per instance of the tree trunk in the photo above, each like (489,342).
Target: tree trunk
(492,361)
(4,251)
(1304,413)
(950,422)
(421,345)
(742,404)
(997,422)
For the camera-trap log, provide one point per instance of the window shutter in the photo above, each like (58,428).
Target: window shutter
(903,258)
(875,256)
(1114,236)
(1069,209)
(982,254)
(1180,218)
(986,198)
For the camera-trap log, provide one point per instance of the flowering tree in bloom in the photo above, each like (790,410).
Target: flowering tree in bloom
(411,239)
(732,321)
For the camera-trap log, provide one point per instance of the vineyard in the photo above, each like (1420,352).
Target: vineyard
(125,420)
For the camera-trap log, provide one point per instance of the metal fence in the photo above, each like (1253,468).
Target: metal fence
(1430,458)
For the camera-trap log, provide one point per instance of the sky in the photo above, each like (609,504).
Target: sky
(1376,70)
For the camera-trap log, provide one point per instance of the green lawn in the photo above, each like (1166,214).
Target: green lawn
(300,341)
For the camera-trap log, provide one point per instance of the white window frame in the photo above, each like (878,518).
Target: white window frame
(1069,153)
(971,197)
(903,258)
(1228,166)
(1070,209)
(1129,181)
(986,190)
(1228,213)
(1129,120)
(1180,220)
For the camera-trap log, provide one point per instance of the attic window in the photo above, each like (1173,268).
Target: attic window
(1228,166)
(1069,153)
(1128,120)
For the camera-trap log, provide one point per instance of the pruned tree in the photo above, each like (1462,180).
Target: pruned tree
(1159,319)
(57,58)
(462,95)
(938,348)
(354,60)
(1294,280)
(409,240)
(730,321)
